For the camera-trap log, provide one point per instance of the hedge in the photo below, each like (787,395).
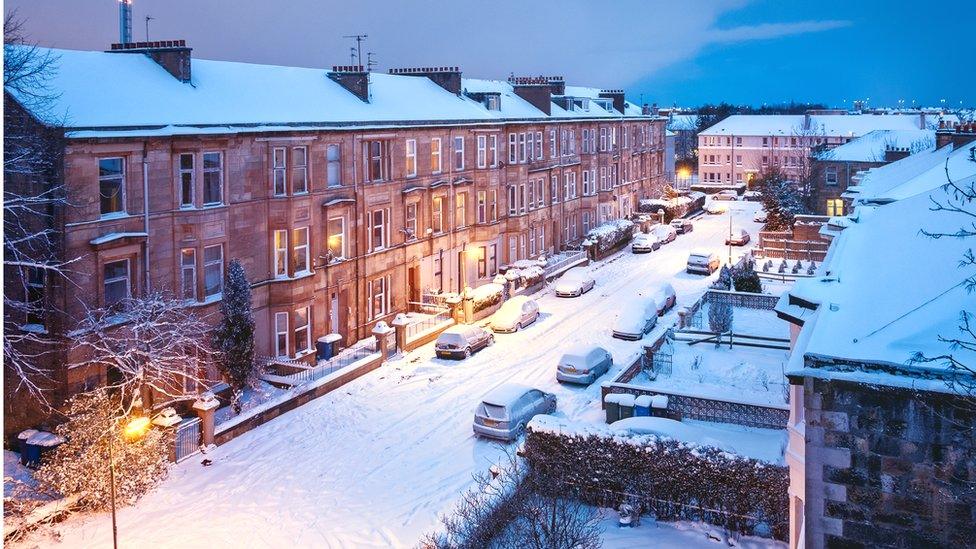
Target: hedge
(675,480)
(610,234)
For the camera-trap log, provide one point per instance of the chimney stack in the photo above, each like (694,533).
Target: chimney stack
(557,85)
(448,78)
(353,78)
(172,55)
(960,135)
(921,121)
(619,103)
(893,154)
(537,90)
(125,21)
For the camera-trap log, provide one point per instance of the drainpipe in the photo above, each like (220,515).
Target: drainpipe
(145,208)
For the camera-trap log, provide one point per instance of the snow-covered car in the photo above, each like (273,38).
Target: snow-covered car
(701,262)
(682,226)
(644,243)
(715,209)
(504,412)
(752,196)
(725,195)
(636,318)
(738,238)
(583,364)
(574,283)
(515,314)
(664,233)
(664,296)
(461,340)
(760,217)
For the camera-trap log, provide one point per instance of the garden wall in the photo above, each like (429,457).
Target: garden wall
(672,479)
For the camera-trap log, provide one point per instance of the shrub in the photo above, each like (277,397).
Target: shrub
(746,279)
(719,317)
(486,296)
(611,234)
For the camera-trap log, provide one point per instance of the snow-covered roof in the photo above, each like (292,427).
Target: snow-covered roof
(683,122)
(871,146)
(828,125)
(887,291)
(915,174)
(116,94)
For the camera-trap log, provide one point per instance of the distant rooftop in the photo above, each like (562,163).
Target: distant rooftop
(871,146)
(833,125)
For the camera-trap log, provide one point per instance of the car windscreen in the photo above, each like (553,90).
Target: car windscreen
(493,411)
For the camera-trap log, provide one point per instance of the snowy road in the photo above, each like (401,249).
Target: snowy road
(374,463)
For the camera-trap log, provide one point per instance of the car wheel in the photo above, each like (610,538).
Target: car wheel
(467,352)
(520,431)
(491,340)
(518,327)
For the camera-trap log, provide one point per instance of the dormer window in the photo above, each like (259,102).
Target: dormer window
(493,103)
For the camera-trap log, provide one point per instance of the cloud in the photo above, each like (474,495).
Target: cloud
(768,31)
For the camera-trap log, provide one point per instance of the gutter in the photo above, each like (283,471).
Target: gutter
(145,208)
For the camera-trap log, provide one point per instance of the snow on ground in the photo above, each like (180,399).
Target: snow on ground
(373,463)
(668,535)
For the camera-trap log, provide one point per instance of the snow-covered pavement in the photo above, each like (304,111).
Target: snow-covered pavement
(373,463)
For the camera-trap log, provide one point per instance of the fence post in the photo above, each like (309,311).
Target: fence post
(205,407)
(400,323)
(382,332)
(467,304)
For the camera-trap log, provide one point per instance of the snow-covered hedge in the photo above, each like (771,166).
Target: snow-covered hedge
(486,296)
(679,481)
(525,277)
(678,207)
(610,234)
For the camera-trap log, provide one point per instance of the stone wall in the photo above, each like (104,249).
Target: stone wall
(888,467)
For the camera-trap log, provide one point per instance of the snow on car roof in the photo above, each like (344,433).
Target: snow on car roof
(505,394)
(829,125)
(119,94)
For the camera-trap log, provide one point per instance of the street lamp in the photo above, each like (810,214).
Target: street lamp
(134,430)
(730,237)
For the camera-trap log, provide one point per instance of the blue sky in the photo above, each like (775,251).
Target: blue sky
(666,51)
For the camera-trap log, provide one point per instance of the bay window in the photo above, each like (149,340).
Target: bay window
(300,251)
(280,240)
(116,282)
(337,238)
(278,167)
(213,178)
(303,331)
(299,170)
(213,270)
(111,185)
(187,180)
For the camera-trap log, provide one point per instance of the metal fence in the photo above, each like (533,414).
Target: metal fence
(187,439)
(430,300)
(569,260)
(414,329)
(346,357)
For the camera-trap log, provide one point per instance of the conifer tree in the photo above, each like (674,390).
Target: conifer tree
(233,338)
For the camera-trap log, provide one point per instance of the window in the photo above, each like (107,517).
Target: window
(765,160)
(522,248)
(376,161)
(213,178)
(512,148)
(411,157)
(586,222)
(300,252)
(540,200)
(830,177)
(493,205)
(603,139)
(460,210)
(437,214)
(835,206)
(738,140)
(552,143)
(765,141)
(186,180)
(482,206)
(435,155)
(281,254)
(522,147)
(334,170)
(278,167)
(281,334)
(482,262)
(738,160)
(493,147)
(538,146)
(542,239)
(213,270)
(586,143)
(116,283)
(111,185)
(303,333)
(482,151)
(521,197)
(512,249)
(379,296)
(554,189)
(377,230)
(458,153)
(531,242)
(531,190)
(337,237)
(531,145)
(512,200)
(603,179)
(299,170)
(410,222)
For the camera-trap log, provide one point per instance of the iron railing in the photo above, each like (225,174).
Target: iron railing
(425,324)
(569,259)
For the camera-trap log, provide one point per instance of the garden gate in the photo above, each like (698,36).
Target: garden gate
(187,439)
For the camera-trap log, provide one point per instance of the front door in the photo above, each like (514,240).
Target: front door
(334,312)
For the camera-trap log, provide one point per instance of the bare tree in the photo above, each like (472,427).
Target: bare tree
(33,199)
(154,348)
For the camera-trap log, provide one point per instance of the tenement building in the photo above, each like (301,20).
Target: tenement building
(734,151)
(881,442)
(345,194)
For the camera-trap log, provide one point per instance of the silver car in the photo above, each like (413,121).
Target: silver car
(583,364)
(460,340)
(506,410)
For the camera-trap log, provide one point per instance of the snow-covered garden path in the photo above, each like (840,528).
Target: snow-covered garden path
(375,462)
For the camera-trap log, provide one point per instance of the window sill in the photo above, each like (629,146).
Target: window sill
(113,215)
(213,206)
(303,354)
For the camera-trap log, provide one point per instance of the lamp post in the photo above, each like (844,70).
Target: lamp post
(730,237)
(134,430)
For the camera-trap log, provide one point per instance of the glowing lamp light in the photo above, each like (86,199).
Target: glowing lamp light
(136,428)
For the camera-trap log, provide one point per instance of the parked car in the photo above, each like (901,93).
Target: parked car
(704,263)
(738,238)
(644,243)
(504,412)
(752,196)
(682,226)
(760,216)
(574,283)
(664,233)
(725,195)
(664,296)
(461,340)
(636,318)
(715,209)
(515,314)
(583,364)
